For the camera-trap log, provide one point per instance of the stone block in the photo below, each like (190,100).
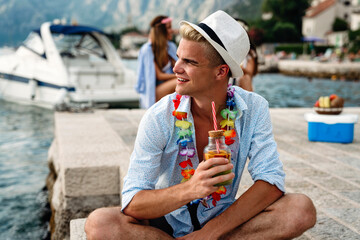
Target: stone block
(77,229)
(90,154)
(89,160)
(88,181)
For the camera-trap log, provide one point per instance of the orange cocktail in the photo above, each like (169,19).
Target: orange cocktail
(222,154)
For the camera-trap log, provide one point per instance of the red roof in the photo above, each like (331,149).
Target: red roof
(315,10)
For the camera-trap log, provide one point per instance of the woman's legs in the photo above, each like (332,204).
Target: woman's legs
(165,88)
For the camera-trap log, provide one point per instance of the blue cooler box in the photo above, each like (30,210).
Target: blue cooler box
(331,128)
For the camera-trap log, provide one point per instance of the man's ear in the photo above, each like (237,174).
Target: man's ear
(223,71)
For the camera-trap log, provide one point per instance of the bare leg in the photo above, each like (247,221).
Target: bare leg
(111,223)
(165,88)
(287,218)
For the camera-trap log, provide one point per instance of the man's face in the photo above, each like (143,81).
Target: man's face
(193,70)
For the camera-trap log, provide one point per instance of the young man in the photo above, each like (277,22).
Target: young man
(167,177)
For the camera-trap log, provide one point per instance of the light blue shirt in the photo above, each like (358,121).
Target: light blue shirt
(146,76)
(154,163)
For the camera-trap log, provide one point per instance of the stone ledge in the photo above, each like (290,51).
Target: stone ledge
(84,141)
(77,229)
(88,161)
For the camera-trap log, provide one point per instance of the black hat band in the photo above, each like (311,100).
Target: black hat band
(211,34)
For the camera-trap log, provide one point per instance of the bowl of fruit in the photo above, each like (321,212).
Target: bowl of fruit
(332,105)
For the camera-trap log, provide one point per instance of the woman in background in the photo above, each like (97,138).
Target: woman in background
(250,69)
(156,60)
(249,65)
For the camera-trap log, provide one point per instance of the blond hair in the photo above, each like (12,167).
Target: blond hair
(189,33)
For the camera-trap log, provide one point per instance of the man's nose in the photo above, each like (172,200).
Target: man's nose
(176,68)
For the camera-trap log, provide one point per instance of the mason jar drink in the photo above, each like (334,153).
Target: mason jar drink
(218,148)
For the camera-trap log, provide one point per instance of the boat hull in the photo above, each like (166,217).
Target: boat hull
(28,91)
(64,65)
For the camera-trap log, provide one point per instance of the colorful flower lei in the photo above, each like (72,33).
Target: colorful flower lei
(185,137)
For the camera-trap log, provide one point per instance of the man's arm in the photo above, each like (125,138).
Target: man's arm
(149,204)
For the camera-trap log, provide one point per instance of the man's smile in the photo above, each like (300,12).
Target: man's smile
(182,80)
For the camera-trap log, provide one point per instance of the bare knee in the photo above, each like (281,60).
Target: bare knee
(302,214)
(93,224)
(306,211)
(101,221)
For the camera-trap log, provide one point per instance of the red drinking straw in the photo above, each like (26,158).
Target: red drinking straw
(214,115)
(215,125)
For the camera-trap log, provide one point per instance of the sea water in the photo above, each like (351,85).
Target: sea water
(26,133)
(289,91)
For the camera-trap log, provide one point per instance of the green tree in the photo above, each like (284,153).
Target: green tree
(286,22)
(287,11)
(339,25)
(267,26)
(285,32)
(129,29)
(354,37)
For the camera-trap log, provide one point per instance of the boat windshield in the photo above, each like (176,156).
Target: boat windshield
(77,45)
(34,43)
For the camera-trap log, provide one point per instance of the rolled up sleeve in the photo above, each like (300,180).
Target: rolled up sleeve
(145,160)
(264,161)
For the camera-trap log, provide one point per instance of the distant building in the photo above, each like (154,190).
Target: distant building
(133,40)
(319,18)
(355,20)
(337,39)
(130,44)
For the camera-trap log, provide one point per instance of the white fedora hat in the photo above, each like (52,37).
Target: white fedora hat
(228,38)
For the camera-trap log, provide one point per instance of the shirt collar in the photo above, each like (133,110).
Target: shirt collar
(241,106)
(185,104)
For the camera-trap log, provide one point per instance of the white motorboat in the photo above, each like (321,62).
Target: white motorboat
(61,65)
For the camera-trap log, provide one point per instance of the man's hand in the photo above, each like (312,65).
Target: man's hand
(148,204)
(202,183)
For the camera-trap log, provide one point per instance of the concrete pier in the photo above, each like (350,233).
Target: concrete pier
(334,70)
(89,158)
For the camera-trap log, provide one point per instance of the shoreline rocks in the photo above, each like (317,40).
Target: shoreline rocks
(332,70)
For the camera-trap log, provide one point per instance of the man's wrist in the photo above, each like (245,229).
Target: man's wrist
(214,231)
(187,193)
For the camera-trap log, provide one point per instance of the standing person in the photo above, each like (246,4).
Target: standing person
(249,65)
(167,177)
(155,63)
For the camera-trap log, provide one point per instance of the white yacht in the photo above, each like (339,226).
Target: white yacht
(59,65)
